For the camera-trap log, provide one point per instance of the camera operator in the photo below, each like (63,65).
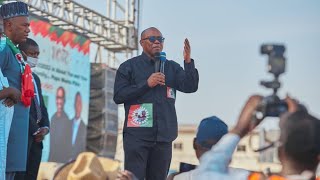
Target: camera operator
(298,146)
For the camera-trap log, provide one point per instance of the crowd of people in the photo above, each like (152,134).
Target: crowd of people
(146,85)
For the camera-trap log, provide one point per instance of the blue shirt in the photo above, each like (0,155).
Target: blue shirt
(75,124)
(18,136)
(6,114)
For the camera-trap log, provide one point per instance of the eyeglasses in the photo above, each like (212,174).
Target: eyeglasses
(153,39)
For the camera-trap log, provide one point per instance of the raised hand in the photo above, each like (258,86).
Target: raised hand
(187,51)
(245,122)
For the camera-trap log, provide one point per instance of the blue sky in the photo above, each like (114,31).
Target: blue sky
(225,38)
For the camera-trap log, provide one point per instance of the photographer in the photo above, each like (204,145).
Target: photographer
(298,147)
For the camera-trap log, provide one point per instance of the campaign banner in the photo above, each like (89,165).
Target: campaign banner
(64,71)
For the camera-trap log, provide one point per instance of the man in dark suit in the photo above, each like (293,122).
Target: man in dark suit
(79,129)
(38,117)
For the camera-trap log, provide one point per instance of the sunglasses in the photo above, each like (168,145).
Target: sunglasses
(153,39)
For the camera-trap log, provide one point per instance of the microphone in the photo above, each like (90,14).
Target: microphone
(157,62)
(162,61)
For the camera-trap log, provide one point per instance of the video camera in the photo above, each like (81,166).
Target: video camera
(273,106)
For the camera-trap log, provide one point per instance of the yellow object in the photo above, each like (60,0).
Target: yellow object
(87,166)
(47,170)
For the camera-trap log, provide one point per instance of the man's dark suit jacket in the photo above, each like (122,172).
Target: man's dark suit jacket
(81,139)
(44,122)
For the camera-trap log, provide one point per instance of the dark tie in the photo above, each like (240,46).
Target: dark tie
(37,103)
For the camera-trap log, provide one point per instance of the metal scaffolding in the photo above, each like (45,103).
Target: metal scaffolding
(114,34)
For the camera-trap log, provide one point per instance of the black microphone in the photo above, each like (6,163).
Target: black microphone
(160,59)
(157,62)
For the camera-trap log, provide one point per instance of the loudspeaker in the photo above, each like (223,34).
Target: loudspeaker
(100,99)
(102,130)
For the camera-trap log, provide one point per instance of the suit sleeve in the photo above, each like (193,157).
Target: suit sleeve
(33,126)
(124,90)
(45,119)
(187,80)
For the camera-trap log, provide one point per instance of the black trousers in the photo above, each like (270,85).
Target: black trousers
(146,159)
(33,162)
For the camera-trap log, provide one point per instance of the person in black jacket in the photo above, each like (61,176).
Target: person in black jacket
(149,100)
(38,117)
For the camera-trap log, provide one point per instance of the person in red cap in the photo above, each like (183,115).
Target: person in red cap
(16,30)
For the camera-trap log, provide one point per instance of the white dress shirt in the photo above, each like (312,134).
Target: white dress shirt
(75,125)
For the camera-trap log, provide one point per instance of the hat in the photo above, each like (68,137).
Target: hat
(14,9)
(88,166)
(211,128)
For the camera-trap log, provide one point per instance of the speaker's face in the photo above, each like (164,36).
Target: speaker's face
(152,42)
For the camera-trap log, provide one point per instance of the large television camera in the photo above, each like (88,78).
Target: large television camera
(273,106)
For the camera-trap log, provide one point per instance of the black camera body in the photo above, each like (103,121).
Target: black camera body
(273,106)
(276,61)
(185,167)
